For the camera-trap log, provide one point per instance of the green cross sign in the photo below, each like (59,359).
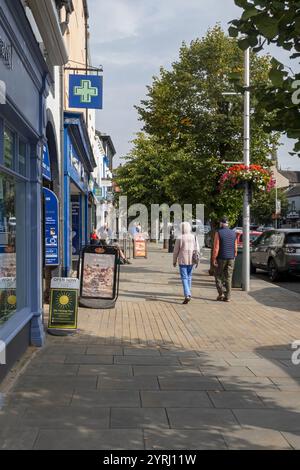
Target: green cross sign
(85,91)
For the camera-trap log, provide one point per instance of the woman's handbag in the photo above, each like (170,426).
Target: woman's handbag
(196,255)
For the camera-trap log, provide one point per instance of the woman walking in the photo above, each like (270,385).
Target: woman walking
(186,253)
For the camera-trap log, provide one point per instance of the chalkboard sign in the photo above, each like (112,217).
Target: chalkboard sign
(63,303)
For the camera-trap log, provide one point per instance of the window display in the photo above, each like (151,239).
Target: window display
(8,302)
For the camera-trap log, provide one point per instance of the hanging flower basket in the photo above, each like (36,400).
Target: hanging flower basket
(259,178)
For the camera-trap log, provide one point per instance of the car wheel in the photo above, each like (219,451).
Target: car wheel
(273,271)
(252,269)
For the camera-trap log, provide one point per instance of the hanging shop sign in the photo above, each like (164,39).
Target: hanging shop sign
(139,247)
(8,297)
(99,272)
(51,228)
(86,91)
(63,303)
(46,168)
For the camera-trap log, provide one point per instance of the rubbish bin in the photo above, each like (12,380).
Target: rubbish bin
(237,277)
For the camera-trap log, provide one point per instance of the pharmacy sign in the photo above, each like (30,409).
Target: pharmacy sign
(86,91)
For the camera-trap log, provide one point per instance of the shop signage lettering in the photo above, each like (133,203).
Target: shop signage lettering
(46,169)
(63,303)
(6,53)
(51,228)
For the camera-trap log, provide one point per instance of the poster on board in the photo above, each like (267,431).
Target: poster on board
(63,303)
(139,247)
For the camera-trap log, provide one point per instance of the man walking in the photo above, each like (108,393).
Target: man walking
(223,258)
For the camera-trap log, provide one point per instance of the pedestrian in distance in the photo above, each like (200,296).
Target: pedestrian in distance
(223,258)
(94,239)
(186,253)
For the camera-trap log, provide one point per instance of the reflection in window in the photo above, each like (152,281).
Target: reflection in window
(8,148)
(8,302)
(22,158)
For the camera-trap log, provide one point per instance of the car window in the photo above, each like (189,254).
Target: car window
(264,239)
(292,238)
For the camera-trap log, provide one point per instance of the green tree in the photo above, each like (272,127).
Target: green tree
(263,206)
(274,22)
(186,111)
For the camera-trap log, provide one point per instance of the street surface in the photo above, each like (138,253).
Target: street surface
(156,374)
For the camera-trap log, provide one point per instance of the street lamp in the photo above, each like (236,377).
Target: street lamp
(246,203)
(246,161)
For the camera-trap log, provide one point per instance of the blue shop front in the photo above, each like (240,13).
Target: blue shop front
(24,84)
(79,164)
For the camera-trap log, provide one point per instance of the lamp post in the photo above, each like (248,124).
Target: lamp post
(246,203)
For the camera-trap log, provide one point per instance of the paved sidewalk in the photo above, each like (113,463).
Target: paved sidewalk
(156,374)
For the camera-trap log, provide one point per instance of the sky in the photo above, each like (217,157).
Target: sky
(132,39)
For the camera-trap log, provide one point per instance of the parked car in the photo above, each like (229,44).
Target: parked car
(277,252)
(253,236)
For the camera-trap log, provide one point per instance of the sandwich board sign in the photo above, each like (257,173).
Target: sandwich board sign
(139,247)
(63,303)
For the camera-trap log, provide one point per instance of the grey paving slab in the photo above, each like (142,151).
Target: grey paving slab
(139,418)
(52,369)
(281,399)
(237,399)
(19,438)
(178,353)
(141,352)
(11,416)
(276,371)
(166,371)
(50,359)
(147,360)
(56,383)
(203,362)
(227,371)
(105,370)
(105,350)
(171,398)
(247,383)
(88,359)
(255,439)
(275,353)
(183,439)
(128,383)
(119,398)
(63,349)
(278,419)
(293,438)
(87,439)
(189,383)
(35,397)
(67,417)
(258,362)
(201,418)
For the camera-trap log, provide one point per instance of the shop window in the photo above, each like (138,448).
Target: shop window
(8,262)
(9,148)
(22,157)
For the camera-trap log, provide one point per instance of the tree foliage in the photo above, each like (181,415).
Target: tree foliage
(263,206)
(191,127)
(274,22)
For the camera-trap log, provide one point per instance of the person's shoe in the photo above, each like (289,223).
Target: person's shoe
(186,300)
(127,262)
(220,298)
(226,299)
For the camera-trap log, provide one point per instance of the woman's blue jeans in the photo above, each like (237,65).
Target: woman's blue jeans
(186,272)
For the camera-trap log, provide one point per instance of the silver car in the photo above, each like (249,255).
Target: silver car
(278,252)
